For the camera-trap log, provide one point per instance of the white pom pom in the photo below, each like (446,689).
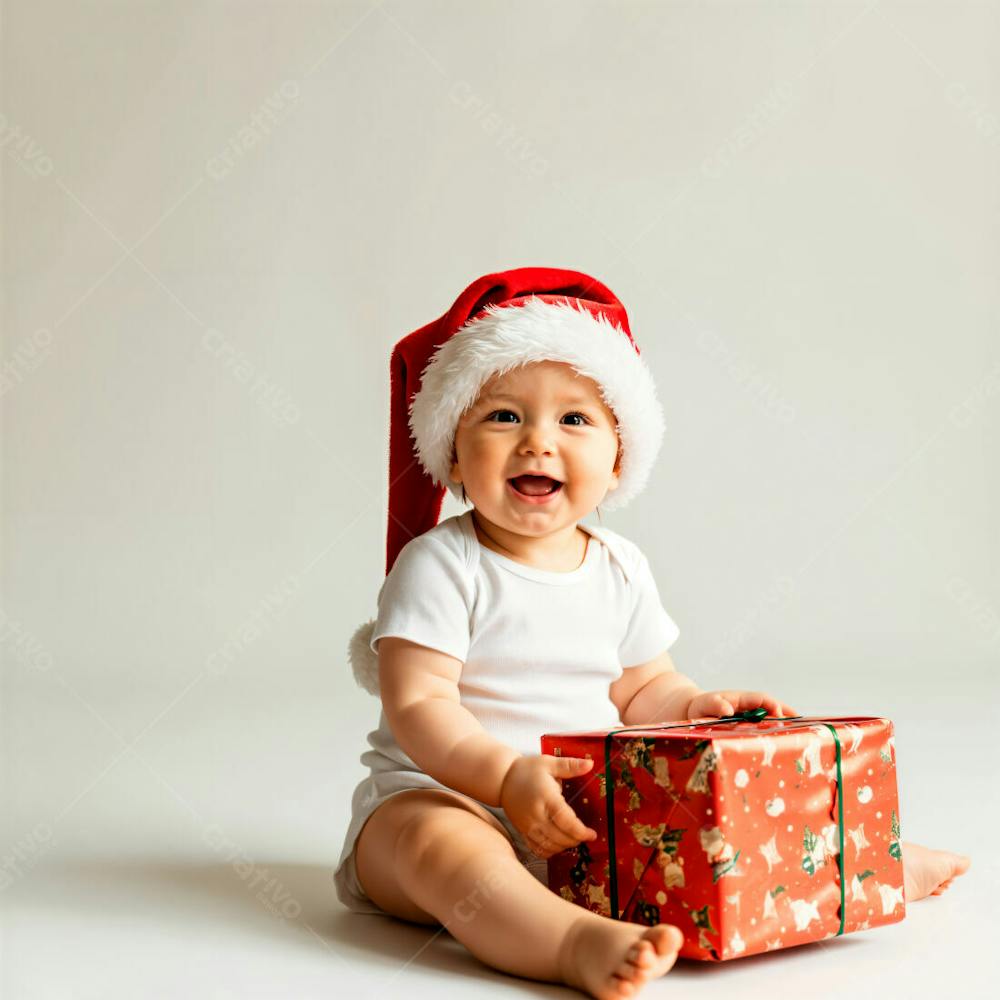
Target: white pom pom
(364,662)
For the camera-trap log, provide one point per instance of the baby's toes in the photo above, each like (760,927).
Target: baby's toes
(641,956)
(665,941)
(623,987)
(951,867)
(665,938)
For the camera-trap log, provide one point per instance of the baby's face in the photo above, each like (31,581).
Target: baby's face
(541,417)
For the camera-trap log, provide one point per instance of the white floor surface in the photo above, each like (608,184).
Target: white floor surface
(130,819)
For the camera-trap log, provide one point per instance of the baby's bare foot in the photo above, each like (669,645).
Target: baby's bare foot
(927,872)
(612,959)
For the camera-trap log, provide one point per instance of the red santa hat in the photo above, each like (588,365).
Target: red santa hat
(502,321)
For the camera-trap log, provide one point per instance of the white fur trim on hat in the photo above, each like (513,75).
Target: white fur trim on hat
(510,336)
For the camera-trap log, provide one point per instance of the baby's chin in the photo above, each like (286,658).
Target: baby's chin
(527,518)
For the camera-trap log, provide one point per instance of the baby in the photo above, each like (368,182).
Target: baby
(515,619)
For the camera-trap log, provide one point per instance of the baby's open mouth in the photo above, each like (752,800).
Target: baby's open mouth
(535,486)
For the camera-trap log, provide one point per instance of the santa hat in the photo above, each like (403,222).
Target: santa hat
(502,321)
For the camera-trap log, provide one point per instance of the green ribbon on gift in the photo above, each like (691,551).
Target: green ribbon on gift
(751,715)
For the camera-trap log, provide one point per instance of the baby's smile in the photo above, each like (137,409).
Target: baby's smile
(534,489)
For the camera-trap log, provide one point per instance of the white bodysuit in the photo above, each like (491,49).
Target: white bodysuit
(540,651)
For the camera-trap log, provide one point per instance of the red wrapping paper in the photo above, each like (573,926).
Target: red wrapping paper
(732,830)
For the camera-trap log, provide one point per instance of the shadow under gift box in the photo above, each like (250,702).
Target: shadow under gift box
(733,830)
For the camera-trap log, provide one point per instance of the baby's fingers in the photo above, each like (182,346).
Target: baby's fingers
(776,708)
(545,840)
(773,706)
(711,703)
(747,700)
(570,824)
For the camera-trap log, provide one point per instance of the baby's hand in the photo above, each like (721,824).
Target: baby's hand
(531,796)
(719,703)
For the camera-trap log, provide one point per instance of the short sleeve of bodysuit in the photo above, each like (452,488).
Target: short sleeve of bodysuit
(650,629)
(426,598)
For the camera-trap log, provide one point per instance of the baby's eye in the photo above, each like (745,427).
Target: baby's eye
(511,413)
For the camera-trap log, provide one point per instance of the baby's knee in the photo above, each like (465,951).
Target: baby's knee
(439,837)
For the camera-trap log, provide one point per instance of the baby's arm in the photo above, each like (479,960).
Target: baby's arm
(419,688)
(420,695)
(653,692)
(656,692)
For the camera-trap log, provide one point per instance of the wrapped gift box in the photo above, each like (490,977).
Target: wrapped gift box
(748,833)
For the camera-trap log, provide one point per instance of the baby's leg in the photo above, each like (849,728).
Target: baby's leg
(927,872)
(438,856)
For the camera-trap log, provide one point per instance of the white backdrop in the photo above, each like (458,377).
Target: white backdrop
(217,220)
